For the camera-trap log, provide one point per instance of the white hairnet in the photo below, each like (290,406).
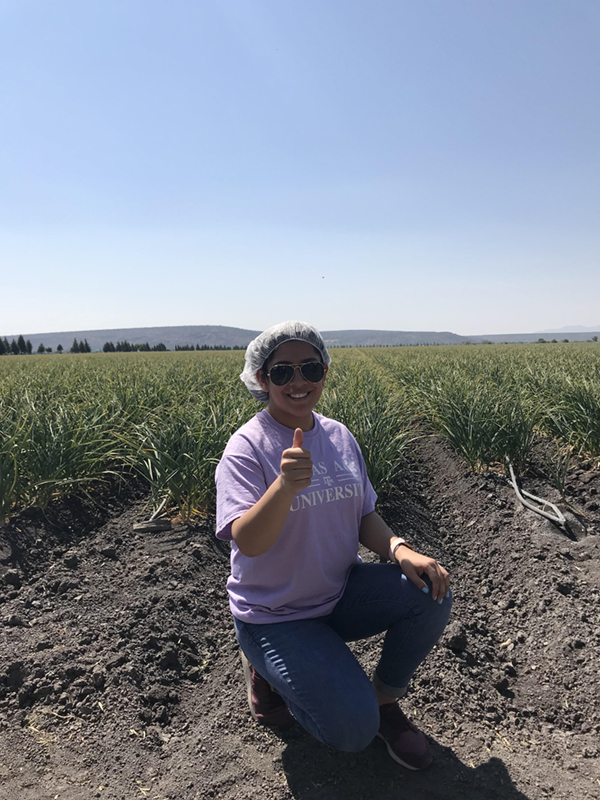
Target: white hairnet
(261,348)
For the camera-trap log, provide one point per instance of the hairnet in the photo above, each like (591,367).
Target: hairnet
(267,342)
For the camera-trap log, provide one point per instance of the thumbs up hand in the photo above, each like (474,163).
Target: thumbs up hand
(298,439)
(296,465)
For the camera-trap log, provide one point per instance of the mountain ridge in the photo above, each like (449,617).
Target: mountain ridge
(227,336)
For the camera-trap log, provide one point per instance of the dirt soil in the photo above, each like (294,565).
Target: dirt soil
(120,676)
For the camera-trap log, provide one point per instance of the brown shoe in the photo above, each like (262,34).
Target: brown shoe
(405,743)
(266,705)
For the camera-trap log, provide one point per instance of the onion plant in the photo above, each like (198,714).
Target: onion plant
(356,396)
(69,421)
(177,453)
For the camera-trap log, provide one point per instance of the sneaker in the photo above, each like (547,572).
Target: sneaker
(405,743)
(266,705)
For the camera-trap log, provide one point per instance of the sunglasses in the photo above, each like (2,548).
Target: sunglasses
(281,374)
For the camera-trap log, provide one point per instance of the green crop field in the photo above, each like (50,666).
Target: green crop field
(69,422)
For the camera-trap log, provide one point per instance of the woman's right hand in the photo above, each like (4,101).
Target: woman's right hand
(257,530)
(296,465)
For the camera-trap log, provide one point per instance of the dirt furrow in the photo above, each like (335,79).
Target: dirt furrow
(120,676)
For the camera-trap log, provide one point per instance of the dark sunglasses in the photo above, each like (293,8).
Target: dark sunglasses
(281,374)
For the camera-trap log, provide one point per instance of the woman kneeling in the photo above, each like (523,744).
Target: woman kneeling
(294,497)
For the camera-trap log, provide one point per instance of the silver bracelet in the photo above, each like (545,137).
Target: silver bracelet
(393,547)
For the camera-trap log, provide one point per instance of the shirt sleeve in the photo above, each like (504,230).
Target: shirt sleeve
(240,483)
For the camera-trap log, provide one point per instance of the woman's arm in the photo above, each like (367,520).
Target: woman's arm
(257,530)
(377,536)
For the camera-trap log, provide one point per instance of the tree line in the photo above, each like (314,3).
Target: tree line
(209,347)
(20,347)
(128,347)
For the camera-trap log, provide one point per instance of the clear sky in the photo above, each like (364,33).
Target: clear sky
(392,164)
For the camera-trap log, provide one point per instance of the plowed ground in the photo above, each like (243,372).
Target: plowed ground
(120,675)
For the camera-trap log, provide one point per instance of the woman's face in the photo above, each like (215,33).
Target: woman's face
(292,404)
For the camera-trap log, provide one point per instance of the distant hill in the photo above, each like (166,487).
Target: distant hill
(229,337)
(369,338)
(169,336)
(514,338)
(574,329)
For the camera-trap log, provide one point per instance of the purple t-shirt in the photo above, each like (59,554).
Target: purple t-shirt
(305,572)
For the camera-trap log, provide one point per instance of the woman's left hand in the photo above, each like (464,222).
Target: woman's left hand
(414,565)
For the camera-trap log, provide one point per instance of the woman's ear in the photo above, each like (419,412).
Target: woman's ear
(261,378)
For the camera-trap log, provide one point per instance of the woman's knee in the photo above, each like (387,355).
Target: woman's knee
(434,611)
(352,727)
(437,616)
(444,609)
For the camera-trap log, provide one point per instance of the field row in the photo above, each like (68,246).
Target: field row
(66,425)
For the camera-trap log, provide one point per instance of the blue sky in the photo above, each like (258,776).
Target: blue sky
(391,164)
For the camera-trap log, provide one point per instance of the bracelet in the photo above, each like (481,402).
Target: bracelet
(393,547)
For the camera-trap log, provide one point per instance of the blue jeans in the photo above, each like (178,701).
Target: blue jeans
(308,662)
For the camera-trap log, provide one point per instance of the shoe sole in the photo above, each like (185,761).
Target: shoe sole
(248,679)
(399,760)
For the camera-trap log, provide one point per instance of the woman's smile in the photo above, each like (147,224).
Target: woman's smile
(292,403)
